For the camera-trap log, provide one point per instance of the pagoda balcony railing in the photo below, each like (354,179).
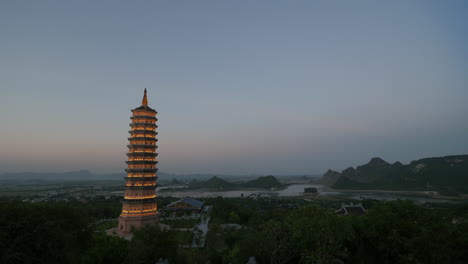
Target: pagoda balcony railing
(140,216)
(144,117)
(151,162)
(137,201)
(149,130)
(143,135)
(139,212)
(142,146)
(142,139)
(143,131)
(141,187)
(143,154)
(141,178)
(153,125)
(142,170)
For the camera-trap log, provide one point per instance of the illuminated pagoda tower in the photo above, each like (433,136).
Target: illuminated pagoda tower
(139,205)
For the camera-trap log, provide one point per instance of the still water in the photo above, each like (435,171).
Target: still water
(297,190)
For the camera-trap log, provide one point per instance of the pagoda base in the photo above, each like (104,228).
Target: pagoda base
(126,224)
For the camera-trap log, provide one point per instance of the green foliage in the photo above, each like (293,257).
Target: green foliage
(106,249)
(241,244)
(183,237)
(227,210)
(42,233)
(389,232)
(106,225)
(199,256)
(401,232)
(320,235)
(181,223)
(149,244)
(277,243)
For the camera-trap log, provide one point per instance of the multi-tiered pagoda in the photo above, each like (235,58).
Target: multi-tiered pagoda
(139,204)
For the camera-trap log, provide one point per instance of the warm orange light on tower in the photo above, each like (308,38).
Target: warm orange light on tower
(139,205)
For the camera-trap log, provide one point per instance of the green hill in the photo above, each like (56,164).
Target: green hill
(214,183)
(265,182)
(444,174)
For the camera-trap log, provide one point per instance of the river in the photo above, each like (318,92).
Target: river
(298,190)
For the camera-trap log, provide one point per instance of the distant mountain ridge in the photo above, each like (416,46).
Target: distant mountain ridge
(81,175)
(86,175)
(448,173)
(216,183)
(197,180)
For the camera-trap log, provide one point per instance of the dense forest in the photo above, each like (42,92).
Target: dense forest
(389,232)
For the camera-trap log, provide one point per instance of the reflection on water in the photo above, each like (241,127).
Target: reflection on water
(297,190)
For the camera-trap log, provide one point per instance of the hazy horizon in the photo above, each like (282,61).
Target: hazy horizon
(241,87)
(211,173)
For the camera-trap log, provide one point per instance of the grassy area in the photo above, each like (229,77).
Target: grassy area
(184,237)
(106,225)
(181,223)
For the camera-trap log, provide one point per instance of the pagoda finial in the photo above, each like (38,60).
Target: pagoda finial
(144,102)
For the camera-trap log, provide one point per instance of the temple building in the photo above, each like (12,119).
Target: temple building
(186,204)
(139,206)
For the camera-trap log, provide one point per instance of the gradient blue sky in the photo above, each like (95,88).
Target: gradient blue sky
(264,87)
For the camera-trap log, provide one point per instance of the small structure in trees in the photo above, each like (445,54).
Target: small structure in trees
(353,209)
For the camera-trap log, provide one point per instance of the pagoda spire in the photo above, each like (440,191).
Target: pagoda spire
(144,102)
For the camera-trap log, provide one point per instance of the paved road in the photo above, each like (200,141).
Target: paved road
(201,237)
(203,226)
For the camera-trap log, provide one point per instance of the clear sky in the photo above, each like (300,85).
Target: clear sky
(264,87)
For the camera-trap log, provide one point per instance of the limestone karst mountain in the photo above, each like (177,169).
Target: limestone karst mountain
(445,174)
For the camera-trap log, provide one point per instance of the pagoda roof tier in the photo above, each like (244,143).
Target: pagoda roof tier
(145,107)
(142,162)
(141,170)
(144,117)
(143,138)
(145,131)
(143,124)
(142,146)
(141,187)
(137,201)
(143,154)
(141,178)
